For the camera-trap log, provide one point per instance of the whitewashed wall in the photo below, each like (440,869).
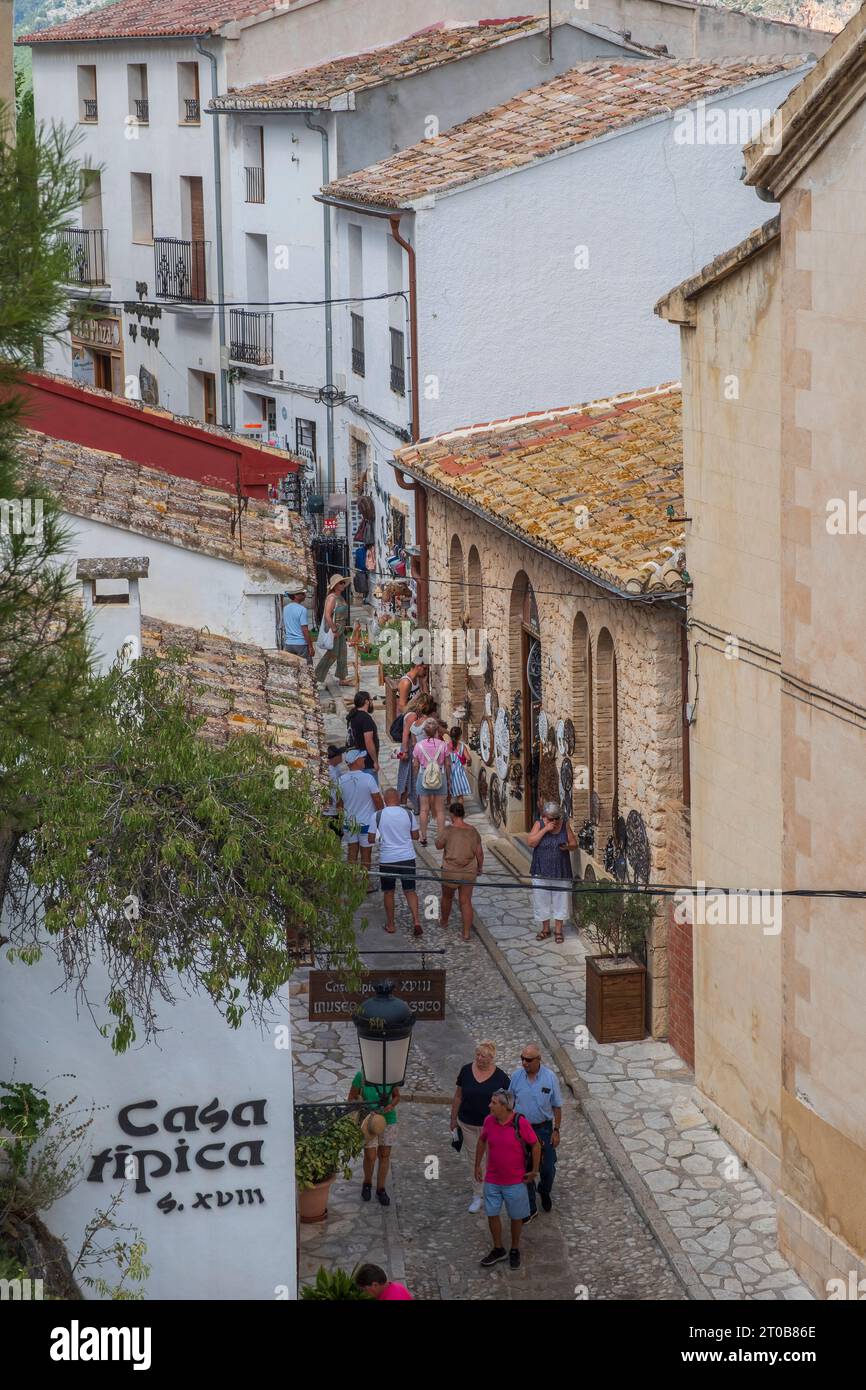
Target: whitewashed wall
(219,1221)
(186,586)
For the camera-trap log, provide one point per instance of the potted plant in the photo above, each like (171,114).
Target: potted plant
(334,1284)
(615,922)
(318,1159)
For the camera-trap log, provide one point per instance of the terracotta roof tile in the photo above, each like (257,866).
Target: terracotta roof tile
(240,688)
(588,101)
(328,82)
(141,18)
(179,511)
(620,459)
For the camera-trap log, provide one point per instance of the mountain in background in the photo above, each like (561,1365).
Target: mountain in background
(820,14)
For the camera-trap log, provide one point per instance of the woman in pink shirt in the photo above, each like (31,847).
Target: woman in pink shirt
(374,1281)
(431,749)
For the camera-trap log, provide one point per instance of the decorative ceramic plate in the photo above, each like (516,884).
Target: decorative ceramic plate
(566,776)
(485,740)
(501,743)
(495,801)
(560,737)
(483,788)
(569,737)
(638,847)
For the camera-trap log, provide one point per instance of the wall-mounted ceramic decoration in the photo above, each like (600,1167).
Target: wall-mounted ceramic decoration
(516,726)
(551,740)
(501,743)
(638,850)
(569,737)
(542,727)
(483,788)
(485,740)
(495,801)
(566,775)
(567,805)
(560,737)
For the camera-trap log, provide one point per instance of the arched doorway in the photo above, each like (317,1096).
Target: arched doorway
(526,669)
(457,616)
(475,681)
(581,717)
(607,764)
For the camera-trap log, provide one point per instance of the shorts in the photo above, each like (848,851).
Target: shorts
(298,650)
(550,904)
(404,870)
(515,1197)
(355,834)
(385,1140)
(421,790)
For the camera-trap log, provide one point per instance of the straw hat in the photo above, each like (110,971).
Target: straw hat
(337,579)
(373,1125)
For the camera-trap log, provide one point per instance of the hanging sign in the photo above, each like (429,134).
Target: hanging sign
(422,990)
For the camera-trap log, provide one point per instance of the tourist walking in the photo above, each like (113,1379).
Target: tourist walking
(414,716)
(396,829)
(296,632)
(431,777)
(361,798)
(378,1141)
(505,1139)
(413,683)
(538,1099)
(470,1104)
(462,862)
(361,731)
(332,812)
(458,757)
(551,840)
(374,1281)
(335,620)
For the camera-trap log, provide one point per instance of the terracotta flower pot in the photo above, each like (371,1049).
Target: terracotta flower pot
(313,1201)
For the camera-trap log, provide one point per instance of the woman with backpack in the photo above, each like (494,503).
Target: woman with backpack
(406,728)
(431,779)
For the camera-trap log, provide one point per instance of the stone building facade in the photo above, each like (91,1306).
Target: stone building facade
(578,690)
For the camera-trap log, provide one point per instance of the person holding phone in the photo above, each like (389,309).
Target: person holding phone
(551,840)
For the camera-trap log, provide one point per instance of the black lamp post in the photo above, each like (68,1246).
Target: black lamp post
(384,1027)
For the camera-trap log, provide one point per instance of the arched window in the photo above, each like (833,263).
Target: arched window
(458,616)
(581,718)
(606,765)
(475,644)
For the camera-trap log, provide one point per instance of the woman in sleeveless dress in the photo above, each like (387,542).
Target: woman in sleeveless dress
(551,840)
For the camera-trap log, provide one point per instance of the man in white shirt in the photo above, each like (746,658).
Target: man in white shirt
(361,798)
(396,829)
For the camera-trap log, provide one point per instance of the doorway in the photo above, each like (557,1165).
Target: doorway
(531,701)
(102,370)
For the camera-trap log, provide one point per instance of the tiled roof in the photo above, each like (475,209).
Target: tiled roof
(619,459)
(328,82)
(676,304)
(240,689)
(588,101)
(148,502)
(142,18)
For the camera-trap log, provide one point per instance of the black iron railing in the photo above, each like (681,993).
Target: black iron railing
(179,269)
(193,111)
(357,345)
(91,109)
(85,249)
(398,379)
(398,359)
(255,184)
(251,337)
(142,110)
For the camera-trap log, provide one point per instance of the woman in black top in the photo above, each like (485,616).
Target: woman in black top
(470,1106)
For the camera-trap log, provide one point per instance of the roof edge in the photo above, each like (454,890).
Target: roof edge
(677,306)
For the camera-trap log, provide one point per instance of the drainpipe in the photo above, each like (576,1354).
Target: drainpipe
(329,319)
(415,429)
(227,415)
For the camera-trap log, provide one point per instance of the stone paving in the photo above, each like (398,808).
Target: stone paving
(637,1131)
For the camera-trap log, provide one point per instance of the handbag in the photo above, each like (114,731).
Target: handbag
(457,1141)
(325,639)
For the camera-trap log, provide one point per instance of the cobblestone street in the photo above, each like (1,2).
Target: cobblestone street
(649,1202)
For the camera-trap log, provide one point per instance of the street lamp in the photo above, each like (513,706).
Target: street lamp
(384,1027)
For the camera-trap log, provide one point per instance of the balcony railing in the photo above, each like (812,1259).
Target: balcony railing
(91,108)
(85,248)
(357,344)
(142,110)
(193,111)
(398,379)
(251,337)
(255,184)
(179,269)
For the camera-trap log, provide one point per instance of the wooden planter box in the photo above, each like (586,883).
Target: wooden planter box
(615,1000)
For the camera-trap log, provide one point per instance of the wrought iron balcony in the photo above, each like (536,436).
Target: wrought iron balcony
(91,108)
(398,379)
(193,110)
(85,248)
(255,184)
(251,337)
(358,360)
(180,269)
(142,110)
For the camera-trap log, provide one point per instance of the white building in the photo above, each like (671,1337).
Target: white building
(541,234)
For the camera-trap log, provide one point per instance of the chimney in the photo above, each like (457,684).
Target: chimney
(109,591)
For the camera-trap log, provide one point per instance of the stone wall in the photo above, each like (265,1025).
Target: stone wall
(646,647)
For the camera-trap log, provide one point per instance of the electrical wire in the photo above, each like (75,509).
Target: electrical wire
(274,304)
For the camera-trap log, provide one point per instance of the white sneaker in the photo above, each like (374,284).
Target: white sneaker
(475,1204)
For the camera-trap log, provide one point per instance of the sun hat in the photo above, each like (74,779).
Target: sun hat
(297,586)
(337,579)
(352,755)
(373,1124)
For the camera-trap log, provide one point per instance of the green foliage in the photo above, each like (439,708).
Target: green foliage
(24,1115)
(324,1155)
(165,855)
(334,1284)
(128,1256)
(615,922)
